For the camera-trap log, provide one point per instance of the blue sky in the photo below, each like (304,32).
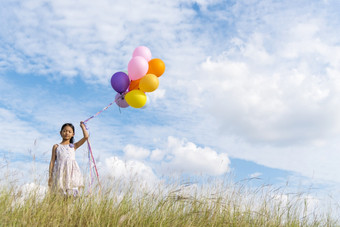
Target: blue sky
(251,87)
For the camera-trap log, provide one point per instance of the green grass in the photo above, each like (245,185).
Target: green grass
(213,204)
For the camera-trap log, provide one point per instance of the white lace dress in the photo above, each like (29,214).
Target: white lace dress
(67,177)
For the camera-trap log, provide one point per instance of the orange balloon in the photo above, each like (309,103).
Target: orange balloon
(134,84)
(156,67)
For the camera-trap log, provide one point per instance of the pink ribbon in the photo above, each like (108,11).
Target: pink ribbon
(90,153)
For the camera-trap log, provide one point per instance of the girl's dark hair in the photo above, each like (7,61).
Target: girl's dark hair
(71,125)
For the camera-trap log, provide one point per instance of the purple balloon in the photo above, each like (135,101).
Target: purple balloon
(120,100)
(120,82)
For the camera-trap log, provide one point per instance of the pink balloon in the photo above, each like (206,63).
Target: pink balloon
(137,67)
(143,52)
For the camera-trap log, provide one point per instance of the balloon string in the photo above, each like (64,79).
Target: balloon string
(92,163)
(91,160)
(100,111)
(105,108)
(90,168)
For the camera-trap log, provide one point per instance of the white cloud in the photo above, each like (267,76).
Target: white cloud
(136,171)
(255,175)
(271,95)
(133,152)
(175,157)
(304,204)
(271,99)
(185,157)
(70,38)
(156,95)
(29,190)
(34,188)
(157,155)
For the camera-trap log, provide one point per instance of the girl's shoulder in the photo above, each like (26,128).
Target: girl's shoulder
(55,146)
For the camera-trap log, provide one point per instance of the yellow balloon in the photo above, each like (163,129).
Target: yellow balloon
(136,98)
(149,83)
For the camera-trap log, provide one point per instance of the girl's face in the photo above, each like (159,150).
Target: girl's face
(67,133)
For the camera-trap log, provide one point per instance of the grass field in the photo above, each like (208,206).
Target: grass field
(174,204)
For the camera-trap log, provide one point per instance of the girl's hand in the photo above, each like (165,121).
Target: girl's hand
(83,126)
(86,136)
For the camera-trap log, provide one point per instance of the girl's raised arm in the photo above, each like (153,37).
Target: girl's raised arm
(86,136)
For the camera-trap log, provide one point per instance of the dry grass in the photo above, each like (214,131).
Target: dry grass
(219,204)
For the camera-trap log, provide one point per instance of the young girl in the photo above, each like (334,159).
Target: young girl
(64,172)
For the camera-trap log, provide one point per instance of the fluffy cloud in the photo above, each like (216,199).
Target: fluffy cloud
(175,157)
(275,89)
(29,190)
(272,94)
(181,156)
(255,175)
(277,107)
(133,152)
(70,38)
(304,203)
(157,155)
(132,170)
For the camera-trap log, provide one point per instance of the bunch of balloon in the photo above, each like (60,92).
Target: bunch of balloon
(120,82)
(142,77)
